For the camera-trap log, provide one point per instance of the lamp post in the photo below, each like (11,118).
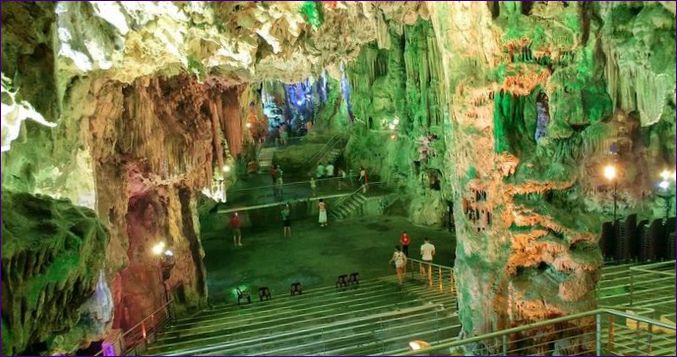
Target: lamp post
(166,264)
(610,175)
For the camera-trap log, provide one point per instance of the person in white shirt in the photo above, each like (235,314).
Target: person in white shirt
(329,170)
(427,254)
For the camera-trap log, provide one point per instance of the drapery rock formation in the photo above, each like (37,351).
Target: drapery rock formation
(52,253)
(505,111)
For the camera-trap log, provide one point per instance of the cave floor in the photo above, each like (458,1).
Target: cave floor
(314,256)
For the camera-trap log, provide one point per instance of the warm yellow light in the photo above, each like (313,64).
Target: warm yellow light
(393,137)
(226,168)
(248,125)
(609,172)
(158,248)
(667,175)
(418,345)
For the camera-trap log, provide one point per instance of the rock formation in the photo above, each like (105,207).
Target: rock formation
(505,111)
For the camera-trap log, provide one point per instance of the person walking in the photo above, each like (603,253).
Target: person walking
(313,186)
(400,261)
(235,227)
(404,241)
(341,178)
(280,183)
(323,213)
(427,254)
(364,179)
(329,170)
(286,220)
(319,172)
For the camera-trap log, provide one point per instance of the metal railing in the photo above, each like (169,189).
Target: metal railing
(653,285)
(328,146)
(597,332)
(135,339)
(438,276)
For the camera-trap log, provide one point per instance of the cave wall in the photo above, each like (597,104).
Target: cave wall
(52,256)
(529,205)
(399,117)
(513,108)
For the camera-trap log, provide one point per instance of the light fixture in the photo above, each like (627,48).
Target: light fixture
(158,248)
(393,137)
(391,126)
(609,172)
(417,345)
(396,121)
(667,175)
(226,168)
(169,253)
(664,184)
(248,125)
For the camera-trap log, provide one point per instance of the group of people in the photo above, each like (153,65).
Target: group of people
(327,171)
(401,255)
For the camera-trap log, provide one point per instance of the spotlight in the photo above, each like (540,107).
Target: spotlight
(391,126)
(226,168)
(393,137)
(169,253)
(396,121)
(248,125)
(158,248)
(609,172)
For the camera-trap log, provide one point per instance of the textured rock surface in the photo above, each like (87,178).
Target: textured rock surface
(508,110)
(52,253)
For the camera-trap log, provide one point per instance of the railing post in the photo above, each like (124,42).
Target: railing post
(598,334)
(504,339)
(439,273)
(610,343)
(648,342)
(632,287)
(451,281)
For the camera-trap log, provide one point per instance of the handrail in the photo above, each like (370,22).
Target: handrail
(289,184)
(327,145)
(324,326)
(141,324)
(646,268)
(432,264)
(530,326)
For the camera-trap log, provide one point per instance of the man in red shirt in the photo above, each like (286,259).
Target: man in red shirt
(404,241)
(235,226)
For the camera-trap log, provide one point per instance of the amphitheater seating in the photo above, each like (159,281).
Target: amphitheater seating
(378,317)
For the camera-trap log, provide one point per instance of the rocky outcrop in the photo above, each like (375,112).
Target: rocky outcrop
(52,256)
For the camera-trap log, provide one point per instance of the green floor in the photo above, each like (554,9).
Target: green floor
(314,255)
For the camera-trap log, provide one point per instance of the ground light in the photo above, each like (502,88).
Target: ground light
(158,248)
(418,345)
(610,175)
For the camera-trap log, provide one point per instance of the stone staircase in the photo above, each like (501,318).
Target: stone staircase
(376,317)
(347,205)
(266,159)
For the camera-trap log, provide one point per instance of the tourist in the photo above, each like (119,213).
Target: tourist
(329,170)
(404,241)
(313,186)
(427,254)
(323,213)
(273,173)
(235,226)
(286,220)
(363,179)
(319,172)
(341,178)
(400,261)
(279,184)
